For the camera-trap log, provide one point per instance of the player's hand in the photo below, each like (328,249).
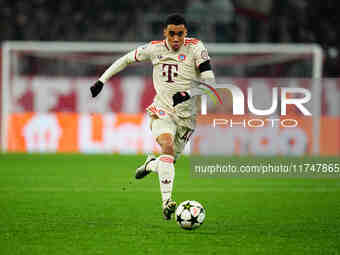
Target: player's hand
(96,88)
(180,97)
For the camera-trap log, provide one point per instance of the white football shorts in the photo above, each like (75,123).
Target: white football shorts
(180,134)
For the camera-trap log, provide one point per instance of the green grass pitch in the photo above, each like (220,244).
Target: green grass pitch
(91,204)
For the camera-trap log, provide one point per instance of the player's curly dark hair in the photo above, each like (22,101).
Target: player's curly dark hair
(175,19)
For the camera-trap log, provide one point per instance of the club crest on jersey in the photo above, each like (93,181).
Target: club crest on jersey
(181,57)
(160,113)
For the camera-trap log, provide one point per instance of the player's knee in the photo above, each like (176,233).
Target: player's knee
(166,143)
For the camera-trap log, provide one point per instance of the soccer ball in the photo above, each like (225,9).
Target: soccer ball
(190,214)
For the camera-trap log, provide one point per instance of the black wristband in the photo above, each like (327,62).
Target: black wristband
(205,66)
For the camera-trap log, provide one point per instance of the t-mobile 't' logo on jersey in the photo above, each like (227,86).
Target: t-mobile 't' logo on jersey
(169,71)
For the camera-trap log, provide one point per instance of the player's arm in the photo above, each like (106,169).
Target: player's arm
(137,55)
(207,76)
(202,61)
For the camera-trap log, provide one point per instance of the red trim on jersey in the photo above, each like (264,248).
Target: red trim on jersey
(156,42)
(193,41)
(166,45)
(136,56)
(166,159)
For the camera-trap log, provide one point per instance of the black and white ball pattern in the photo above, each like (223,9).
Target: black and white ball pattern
(190,214)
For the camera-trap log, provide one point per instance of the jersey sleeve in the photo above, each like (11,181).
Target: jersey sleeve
(200,53)
(143,53)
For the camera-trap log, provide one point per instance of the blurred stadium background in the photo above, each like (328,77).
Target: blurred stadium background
(53,51)
(54,78)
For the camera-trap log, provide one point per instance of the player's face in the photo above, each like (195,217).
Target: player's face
(175,35)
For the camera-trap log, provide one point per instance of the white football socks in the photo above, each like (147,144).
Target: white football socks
(166,175)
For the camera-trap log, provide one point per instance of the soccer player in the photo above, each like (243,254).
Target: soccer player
(177,61)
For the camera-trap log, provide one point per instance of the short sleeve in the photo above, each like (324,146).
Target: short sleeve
(142,53)
(200,53)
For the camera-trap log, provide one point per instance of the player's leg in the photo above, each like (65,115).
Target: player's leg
(157,126)
(150,165)
(182,137)
(172,145)
(164,131)
(166,172)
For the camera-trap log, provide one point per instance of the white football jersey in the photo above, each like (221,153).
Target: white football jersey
(173,72)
